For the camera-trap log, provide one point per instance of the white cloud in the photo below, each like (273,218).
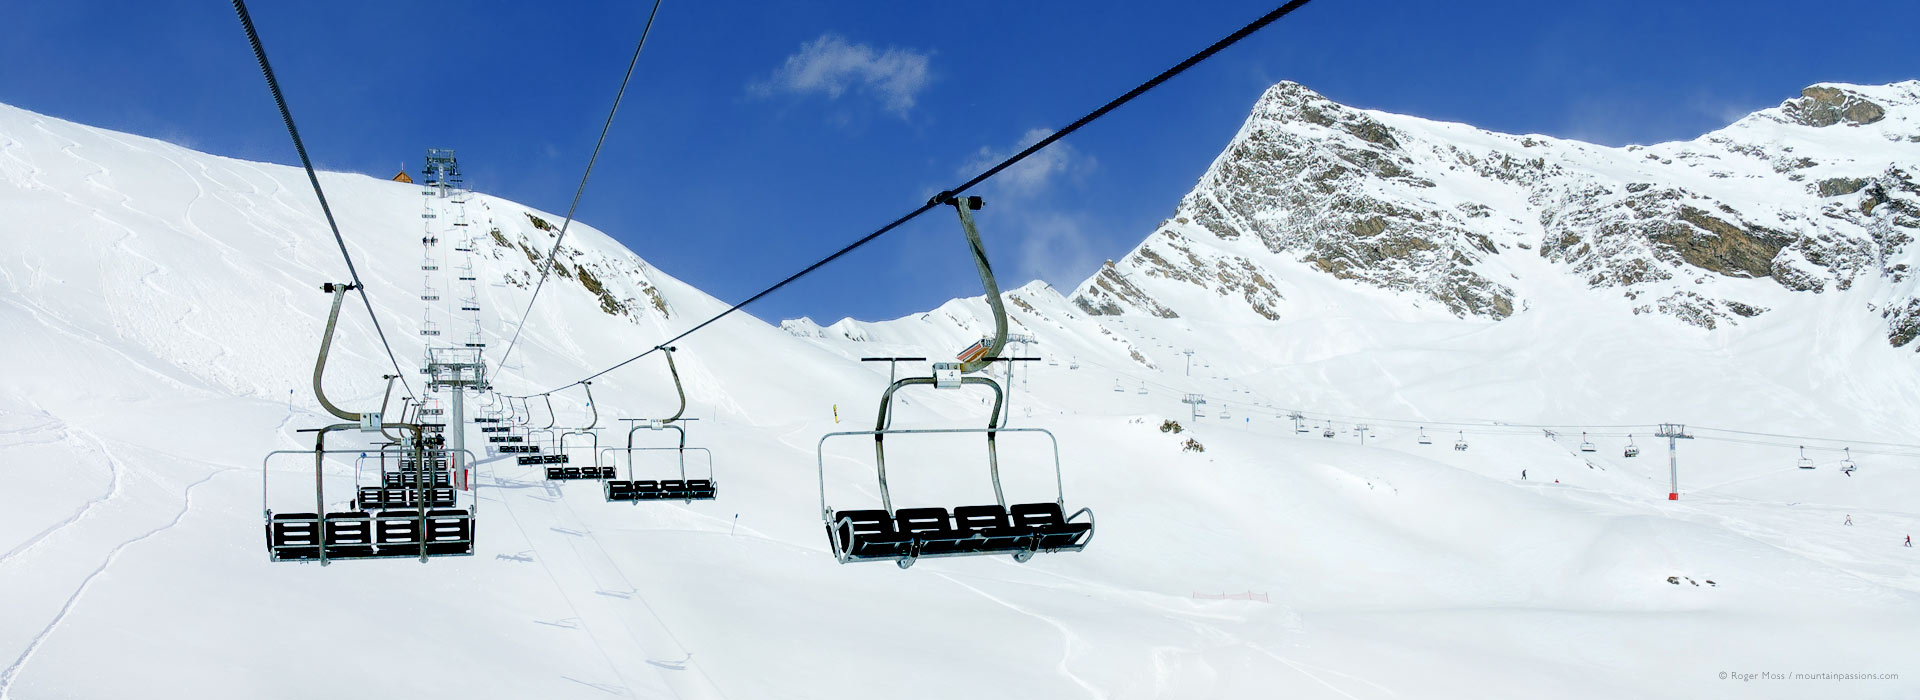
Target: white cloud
(1034,176)
(1025,203)
(1056,249)
(832,66)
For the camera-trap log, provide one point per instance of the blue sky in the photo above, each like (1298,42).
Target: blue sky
(759,136)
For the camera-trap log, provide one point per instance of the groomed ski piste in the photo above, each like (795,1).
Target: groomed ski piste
(161,312)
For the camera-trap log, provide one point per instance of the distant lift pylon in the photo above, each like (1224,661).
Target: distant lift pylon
(905,535)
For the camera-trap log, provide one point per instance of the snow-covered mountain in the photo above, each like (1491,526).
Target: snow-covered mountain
(1817,194)
(161,307)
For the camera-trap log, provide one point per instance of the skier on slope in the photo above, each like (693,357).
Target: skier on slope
(1849,519)
(1523,475)
(1909,540)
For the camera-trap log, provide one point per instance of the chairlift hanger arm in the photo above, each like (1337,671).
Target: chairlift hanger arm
(965,206)
(677,388)
(383,406)
(596,409)
(339,292)
(550,417)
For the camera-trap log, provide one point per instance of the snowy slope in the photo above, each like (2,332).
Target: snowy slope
(161,303)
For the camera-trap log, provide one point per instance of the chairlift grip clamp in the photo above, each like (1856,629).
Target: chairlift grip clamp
(973,202)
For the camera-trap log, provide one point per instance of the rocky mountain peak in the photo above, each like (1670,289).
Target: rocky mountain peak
(1807,196)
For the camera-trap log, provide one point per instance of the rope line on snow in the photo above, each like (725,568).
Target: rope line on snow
(1075,125)
(286,115)
(547,269)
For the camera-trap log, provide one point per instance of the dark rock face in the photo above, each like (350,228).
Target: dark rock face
(1834,187)
(1724,248)
(1826,106)
(1109,288)
(1903,323)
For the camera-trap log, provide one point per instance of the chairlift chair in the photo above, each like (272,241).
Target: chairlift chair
(1586,446)
(1804,463)
(592,433)
(633,489)
(906,535)
(402,522)
(1328,432)
(1460,445)
(1846,463)
(1143,389)
(1424,440)
(420,527)
(551,433)
(1117,388)
(1632,449)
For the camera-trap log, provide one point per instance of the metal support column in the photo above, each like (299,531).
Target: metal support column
(456,432)
(1673,432)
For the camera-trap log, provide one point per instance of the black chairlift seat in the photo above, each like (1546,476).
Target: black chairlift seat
(519,449)
(669,490)
(506,438)
(912,533)
(527,460)
(434,479)
(375,498)
(571,473)
(393,534)
(409,462)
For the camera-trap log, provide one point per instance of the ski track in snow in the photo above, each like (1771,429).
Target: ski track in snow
(79,514)
(682,687)
(55,323)
(598,639)
(12,672)
(1302,669)
(1068,638)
